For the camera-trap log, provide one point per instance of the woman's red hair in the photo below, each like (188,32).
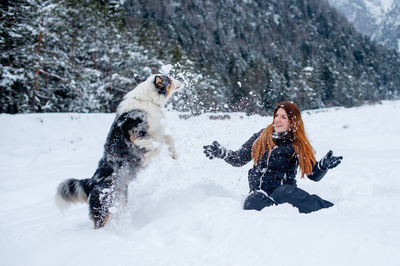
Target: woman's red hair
(302,147)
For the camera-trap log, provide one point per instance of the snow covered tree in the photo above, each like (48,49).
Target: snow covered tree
(20,27)
(81,56)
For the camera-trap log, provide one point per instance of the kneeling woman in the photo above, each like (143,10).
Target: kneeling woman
(277,152)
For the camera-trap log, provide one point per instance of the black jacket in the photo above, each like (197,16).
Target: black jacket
(274,170)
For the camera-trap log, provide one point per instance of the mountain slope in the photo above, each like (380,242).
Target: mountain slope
(375,18)
(389,31)
(267,48)
(366,15)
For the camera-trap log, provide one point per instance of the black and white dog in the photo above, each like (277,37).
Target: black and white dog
(135,136)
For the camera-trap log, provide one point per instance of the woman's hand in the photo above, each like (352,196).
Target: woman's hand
(329,161)
(215,150)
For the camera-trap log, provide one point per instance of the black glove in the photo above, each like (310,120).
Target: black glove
(329,161)
(254,177)
(215,150)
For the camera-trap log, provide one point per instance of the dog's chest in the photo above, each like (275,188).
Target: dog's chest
(155,127)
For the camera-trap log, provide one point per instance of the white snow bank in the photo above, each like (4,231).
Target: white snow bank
(189,211)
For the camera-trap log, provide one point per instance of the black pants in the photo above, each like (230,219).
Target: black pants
(299,198)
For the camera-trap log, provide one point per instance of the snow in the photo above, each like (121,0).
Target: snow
(308,69)
(276,19)
(378,8)
(189,211)
(398,45)
(166,69)
(386,4)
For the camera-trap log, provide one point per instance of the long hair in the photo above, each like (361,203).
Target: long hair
(302,147)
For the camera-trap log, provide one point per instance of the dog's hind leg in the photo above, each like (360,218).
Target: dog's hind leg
(100,201)
(123,197)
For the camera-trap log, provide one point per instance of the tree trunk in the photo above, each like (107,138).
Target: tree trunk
(94,55)
(37,70)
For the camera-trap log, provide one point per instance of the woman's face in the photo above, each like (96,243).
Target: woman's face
(281,121)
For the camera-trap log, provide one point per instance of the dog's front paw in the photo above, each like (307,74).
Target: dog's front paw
(171,147)
(144,161)
(173,154)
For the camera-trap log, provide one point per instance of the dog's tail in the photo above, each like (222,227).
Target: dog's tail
(72,191)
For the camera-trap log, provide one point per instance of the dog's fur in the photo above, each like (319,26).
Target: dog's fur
(135,136)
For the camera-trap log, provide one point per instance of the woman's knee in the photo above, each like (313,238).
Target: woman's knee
(257,201)
(313,203)
(284,193)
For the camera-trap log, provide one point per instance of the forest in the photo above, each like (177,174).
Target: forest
(247,55)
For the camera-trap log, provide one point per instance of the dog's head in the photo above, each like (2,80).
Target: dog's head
(166,85)
(154,89)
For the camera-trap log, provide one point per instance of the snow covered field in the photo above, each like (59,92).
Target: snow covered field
(189,211)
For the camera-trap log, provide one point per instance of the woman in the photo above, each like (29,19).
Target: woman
(277,152)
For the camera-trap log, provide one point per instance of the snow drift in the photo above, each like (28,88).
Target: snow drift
(189,211)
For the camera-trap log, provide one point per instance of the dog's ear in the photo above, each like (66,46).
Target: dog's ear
(140,79)
(162,83)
